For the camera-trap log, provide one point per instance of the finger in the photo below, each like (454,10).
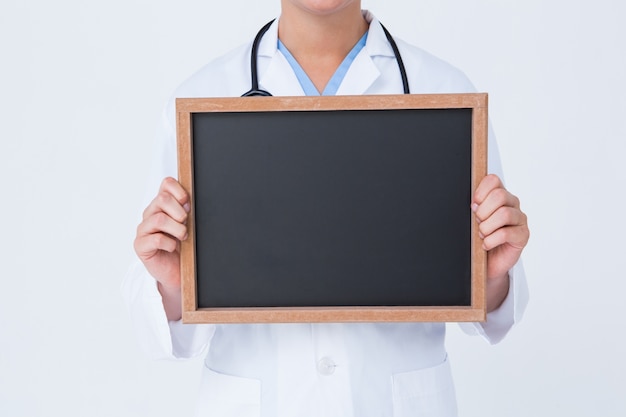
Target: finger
(496,199)
(172,199)
(502,217)
(147,246)
(515,236)
(174,188)
(161,222)
(486,185)
(164,202)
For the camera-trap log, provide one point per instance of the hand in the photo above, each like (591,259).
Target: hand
(504,230)
(158,238)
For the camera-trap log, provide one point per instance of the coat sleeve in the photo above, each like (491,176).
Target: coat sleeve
(510,312)
(159,338)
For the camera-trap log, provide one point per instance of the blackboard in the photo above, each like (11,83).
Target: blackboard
(332,209)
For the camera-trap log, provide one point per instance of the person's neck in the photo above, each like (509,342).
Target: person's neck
(320,42)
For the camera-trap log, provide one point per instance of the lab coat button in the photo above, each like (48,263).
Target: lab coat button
(326,366)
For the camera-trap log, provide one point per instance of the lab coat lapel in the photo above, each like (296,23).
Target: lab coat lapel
(279,79)
(364,72)
(360,76)
(275,73)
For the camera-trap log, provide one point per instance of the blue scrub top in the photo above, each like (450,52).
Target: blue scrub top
(335,81)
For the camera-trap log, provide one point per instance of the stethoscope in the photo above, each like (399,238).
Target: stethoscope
(255,91)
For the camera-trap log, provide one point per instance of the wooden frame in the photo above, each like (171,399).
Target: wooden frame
(192,314)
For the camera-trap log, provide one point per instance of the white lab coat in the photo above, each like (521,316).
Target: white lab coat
(345,370)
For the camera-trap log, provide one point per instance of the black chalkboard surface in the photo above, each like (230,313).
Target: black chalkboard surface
(332,209)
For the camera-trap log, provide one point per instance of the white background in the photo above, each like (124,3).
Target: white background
(82,84)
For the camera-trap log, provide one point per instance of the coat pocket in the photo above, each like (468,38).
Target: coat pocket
(227,395)
(426,392)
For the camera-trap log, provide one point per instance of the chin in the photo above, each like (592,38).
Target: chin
(324,7)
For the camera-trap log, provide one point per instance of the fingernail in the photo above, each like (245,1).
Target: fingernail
(474,207)
(481,235)
(187,207)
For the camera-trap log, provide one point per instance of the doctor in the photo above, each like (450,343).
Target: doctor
(327,47)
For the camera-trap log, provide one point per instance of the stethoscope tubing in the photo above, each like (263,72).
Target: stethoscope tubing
(256,91)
